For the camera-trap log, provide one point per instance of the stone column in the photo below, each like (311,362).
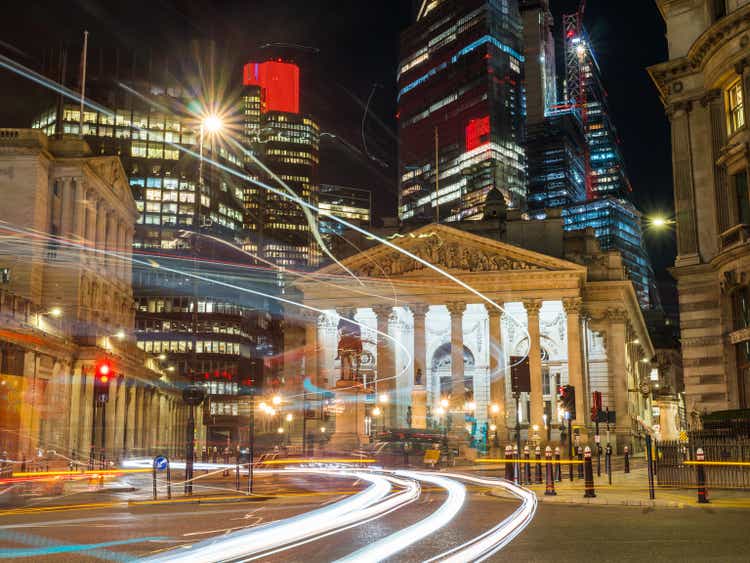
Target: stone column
(87,411)
(458,394)
(419,392)
(68,205)
(385,382)
(100,236)
(130,443)
(110,444)
(120,415)
(140,414)
(79,209)
(110,243)
(311,368)
(684,189)
(154,430)
(536,398)
(76,392)
(497,371)
(616,353)
(575,365)
(324,375)
(90,220)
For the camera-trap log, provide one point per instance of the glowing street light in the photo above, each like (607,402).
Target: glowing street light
(289,417)
(55,312)
(659,222)
(495,409)
(383,398)
(444,403)
(276,399)
(120,335)
(280,430)
(376,411)
(212,123)
(440,411)
(162,357)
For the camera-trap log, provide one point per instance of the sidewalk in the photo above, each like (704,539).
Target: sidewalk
(627,489)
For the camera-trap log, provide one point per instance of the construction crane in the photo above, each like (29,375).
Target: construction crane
(577,64)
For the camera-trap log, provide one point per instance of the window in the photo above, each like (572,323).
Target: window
(743,199)
(4,275)
(735,107)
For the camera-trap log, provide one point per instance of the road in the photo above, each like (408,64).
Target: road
(123,532)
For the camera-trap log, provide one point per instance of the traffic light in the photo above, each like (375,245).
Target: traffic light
(596,406)
(568,400)
(102,375)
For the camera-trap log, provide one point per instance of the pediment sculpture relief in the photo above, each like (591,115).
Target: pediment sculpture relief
(449,255)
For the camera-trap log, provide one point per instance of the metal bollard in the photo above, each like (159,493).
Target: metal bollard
(627,459)
(589,472)
(538,468)
(580,458)
(550,489)
(508,463)
(516,469)
(527,465)
(701,476)
(608,462)
(558,465)
(237,472)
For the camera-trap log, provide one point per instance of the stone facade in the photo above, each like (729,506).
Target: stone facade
(704,87)
(66,304)
(427,339)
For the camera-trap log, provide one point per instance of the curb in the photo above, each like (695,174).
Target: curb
(597,501)
(257,498)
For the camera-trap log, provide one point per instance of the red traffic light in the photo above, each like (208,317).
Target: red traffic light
(103,370)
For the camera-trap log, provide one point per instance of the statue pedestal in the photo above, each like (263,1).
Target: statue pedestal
(349,417)
(419,407)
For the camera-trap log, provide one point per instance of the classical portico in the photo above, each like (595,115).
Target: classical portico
(432,336)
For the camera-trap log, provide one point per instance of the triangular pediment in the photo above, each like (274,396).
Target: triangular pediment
(450,249)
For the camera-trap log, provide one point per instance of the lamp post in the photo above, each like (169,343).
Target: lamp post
(193,395)
(289,417)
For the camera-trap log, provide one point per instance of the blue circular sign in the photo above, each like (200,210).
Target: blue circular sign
(161,462)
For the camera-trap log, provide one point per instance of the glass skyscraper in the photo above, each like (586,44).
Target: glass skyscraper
(460,109)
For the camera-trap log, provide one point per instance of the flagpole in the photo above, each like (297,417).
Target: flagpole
(83,78)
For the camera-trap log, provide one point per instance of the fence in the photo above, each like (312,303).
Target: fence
(671,457)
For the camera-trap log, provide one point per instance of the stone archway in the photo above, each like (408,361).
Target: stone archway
(440,370)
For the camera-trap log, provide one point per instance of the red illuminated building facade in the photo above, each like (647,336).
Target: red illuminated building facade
(287,142)
(461,109)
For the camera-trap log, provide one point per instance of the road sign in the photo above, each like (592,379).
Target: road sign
(160,462)
(683,436)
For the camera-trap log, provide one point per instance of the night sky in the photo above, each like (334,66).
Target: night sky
(345,48)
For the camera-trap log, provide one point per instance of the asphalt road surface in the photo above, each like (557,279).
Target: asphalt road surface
(122,532)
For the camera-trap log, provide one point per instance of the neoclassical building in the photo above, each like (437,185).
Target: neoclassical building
(704,87)
(429,336)
(66,305)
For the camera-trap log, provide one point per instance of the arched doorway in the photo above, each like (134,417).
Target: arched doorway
(440,370)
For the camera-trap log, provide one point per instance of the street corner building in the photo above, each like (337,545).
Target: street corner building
(446,360)
(704,87)
(72,380)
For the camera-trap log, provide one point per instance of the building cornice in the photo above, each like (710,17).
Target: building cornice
(717,35)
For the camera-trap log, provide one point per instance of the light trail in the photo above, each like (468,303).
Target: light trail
(243,544)
(496,538)
(390,545)
(36,77)
(80,246)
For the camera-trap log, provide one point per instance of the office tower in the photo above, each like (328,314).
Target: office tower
(572,137)
(354,205)
(287,142)
(191,218)
(460,109)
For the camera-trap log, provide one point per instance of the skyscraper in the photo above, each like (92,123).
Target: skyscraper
(191,217)
(572,138)
(287,142)
(460,109)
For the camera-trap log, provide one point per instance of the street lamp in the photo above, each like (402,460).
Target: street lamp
(276,400)
(55,312)
(289,417)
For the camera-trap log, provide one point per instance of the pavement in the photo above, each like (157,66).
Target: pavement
(627,489)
